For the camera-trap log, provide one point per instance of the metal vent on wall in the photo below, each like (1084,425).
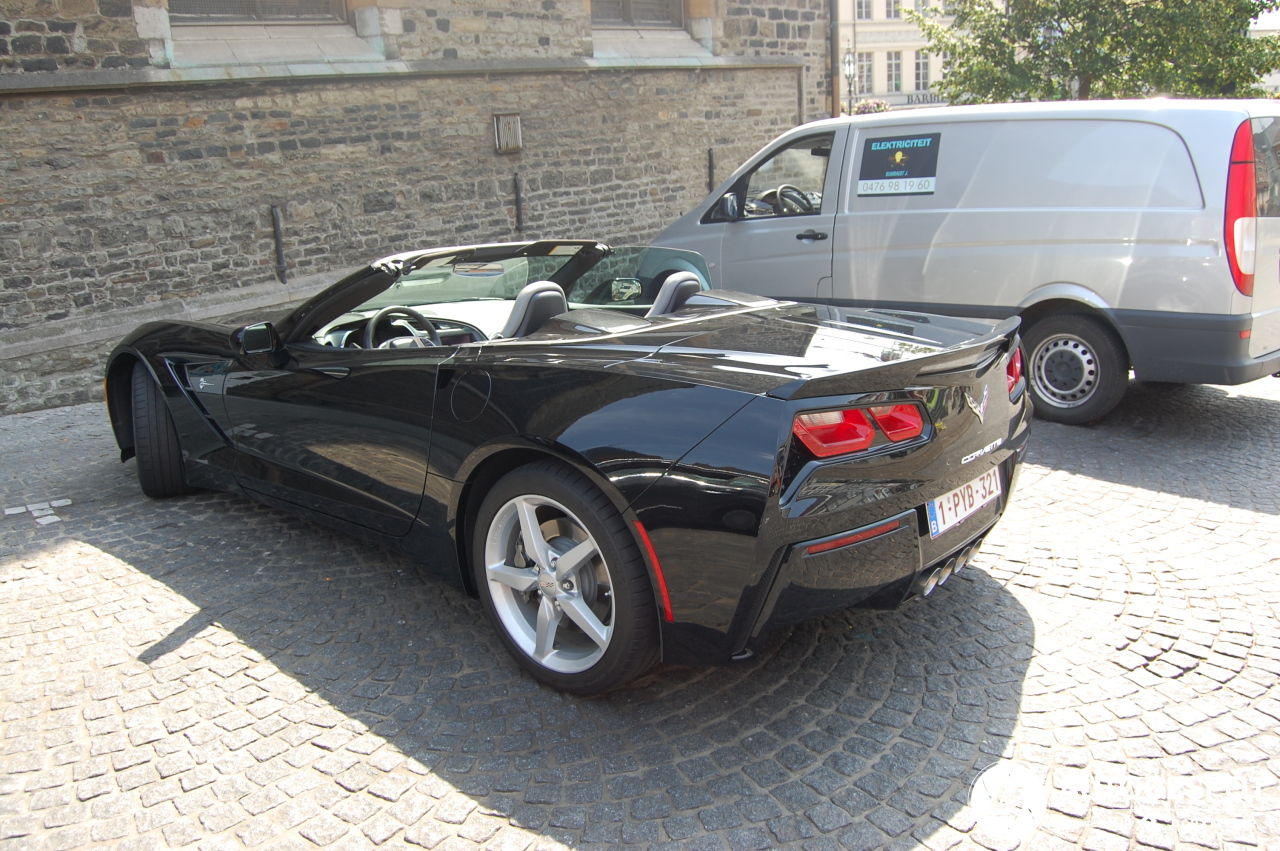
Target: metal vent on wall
(506,132)
(236,11)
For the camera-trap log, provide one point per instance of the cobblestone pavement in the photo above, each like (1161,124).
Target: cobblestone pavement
(208,673)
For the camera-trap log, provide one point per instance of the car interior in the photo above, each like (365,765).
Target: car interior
(447,303)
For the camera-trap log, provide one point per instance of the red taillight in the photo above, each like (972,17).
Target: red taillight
(1240,226)
(899,422)
(840,432)
(1013,371)
(834,432)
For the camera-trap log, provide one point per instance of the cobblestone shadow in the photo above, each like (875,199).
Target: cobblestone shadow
(205,670)
(1160,432)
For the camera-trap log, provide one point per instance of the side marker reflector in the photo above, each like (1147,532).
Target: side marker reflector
(657,571)
(852,538)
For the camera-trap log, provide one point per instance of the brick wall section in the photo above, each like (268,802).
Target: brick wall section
(118,200)
(515,29)
(51,35)
(794,28)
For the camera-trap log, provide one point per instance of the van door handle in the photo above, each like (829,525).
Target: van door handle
(811,234)
(333,371)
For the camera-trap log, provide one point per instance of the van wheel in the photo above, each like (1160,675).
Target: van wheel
(1078,368)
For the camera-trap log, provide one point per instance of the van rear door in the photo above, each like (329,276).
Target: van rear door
(1265,335)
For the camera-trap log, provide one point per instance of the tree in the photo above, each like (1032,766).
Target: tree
(1082,49)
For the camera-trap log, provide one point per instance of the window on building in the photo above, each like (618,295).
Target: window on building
(231,11)
(921,5)
(637,13)
(922,71)
(946,64)
(893,71)
(862,10)
(893,8)
(864,74)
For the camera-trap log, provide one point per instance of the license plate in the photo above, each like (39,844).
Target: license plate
(954,506)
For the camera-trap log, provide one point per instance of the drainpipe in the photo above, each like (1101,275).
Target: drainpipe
(833,58)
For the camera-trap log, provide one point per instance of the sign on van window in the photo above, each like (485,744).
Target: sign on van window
(899,165)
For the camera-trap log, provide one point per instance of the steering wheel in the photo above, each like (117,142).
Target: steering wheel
(423,323)
(792,200)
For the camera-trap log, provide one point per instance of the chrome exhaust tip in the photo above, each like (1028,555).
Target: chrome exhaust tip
(925,583)
(962,560)
(944,572)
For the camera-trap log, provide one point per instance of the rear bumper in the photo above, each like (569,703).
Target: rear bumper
(877,572)
(1191,348)
(732,581)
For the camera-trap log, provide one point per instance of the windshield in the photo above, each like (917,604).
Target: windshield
(469,292)
(443,282)
(632,276)
(627,277)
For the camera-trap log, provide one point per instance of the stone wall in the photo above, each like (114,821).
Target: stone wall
(475,29)
(49,35)
(123,200)
(791,28)
(130,190)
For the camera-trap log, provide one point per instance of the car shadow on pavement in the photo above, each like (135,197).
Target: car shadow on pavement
(246,676)
(1168,437)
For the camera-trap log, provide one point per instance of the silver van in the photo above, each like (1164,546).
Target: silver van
(1139,235)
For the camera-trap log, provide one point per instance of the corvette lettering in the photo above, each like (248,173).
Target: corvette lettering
(990,447)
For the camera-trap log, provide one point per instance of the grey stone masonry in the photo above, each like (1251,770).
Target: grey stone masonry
(123,202)
(795,28)
(138,178)
(52,35)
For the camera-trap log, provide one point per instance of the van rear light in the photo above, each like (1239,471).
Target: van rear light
(1241,226)
(899,422)
(1013,370)
(834,432)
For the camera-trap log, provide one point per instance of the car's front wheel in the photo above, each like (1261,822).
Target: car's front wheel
(1077,368)
(563,580)
(155,440)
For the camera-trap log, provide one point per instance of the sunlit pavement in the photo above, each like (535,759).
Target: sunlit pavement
(209,673)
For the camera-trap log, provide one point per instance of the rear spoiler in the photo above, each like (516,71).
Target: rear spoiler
(960,360)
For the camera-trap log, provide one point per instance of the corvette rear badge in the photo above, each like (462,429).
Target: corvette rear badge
(979,408)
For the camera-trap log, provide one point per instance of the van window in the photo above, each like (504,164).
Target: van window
(1266,153)
(1053,164)
(790,182)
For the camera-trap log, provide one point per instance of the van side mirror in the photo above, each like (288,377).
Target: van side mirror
(260,339)
(728,206)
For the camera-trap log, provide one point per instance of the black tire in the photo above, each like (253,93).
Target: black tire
(619,590)
(155,440)
(1077,368)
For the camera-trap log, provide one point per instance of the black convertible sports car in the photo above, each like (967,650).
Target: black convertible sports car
(622,464)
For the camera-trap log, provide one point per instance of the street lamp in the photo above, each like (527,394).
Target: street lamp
(850,68)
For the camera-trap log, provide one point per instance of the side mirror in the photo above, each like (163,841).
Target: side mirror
(729,206)
(624,289)
(260,339)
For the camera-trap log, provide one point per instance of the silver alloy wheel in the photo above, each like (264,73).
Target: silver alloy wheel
(1064,371)
(549,584)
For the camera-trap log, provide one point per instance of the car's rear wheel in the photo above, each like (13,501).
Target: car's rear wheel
(563,580)
(155,440)
(1077,366)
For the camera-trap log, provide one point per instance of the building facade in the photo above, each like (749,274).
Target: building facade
(891,60)
(148,146)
